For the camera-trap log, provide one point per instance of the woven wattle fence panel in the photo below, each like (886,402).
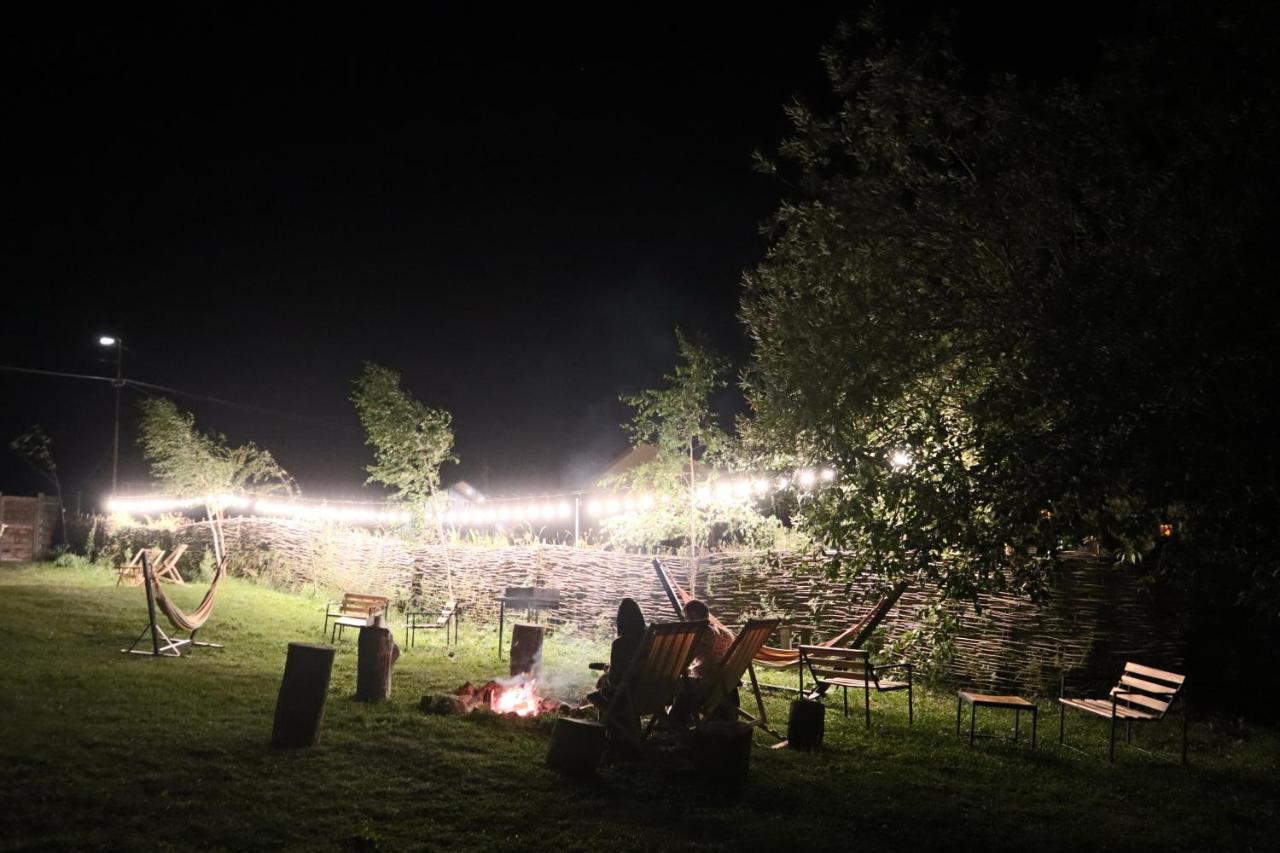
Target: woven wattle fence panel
(1098,616)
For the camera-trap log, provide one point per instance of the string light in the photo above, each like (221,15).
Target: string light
(498,511)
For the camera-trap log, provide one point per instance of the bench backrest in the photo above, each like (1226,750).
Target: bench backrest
(357,603)
(446,612)
(831,662)
(1147,689)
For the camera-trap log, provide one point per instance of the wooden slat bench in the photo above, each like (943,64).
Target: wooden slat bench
(1144,694)
(354,611)
(844,668)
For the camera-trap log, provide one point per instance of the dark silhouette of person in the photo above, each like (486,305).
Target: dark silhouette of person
(630,626)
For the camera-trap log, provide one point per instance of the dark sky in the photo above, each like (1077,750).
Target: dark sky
(514,211)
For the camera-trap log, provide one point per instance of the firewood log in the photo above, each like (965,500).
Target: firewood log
(722,753)
(526,648)
(300,705)
(806,725)
(378,653)
(576,746)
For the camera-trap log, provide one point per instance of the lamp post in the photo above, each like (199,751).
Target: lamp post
(118,343)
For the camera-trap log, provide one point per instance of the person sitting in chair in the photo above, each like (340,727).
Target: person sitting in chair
(707,655)
(630,622)
(715,641)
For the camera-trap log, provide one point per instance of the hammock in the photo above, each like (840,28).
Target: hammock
(192,621)
(855,635)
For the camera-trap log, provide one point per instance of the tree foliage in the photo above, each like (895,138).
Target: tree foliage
(191,463)
(36,449)
(680,422)
(1054,302)
(410,440)
(195,464)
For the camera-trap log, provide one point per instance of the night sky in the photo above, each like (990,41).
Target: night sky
(515,212)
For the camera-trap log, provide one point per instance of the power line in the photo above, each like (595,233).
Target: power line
(148,386)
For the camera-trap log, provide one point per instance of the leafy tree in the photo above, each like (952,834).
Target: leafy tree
(678,420)
(193,464)
(410,442)
(1016,319)
(36,449)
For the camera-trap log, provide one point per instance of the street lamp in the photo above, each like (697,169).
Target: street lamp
(118,343)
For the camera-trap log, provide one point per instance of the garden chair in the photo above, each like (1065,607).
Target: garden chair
(430,620)
(1144,694)
(167,569)
(132,570)
(845,668)
(649,688)
(354,611)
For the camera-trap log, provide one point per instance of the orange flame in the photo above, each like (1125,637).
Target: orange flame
(520,699)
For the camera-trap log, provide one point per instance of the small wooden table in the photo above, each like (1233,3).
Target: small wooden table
(990,700)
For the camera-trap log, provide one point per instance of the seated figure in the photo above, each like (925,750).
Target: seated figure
(630,626)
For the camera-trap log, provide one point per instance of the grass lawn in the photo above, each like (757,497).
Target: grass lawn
(104,750)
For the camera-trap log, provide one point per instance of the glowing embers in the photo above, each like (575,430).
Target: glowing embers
(516,696)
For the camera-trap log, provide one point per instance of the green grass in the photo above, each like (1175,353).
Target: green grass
(100,750)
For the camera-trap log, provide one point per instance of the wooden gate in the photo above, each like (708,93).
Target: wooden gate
(27,527)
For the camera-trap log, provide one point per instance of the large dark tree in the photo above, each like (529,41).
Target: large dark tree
(1018,317)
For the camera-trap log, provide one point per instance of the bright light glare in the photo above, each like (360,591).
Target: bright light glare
(828,474)
(107,341)
(806,478)
(900,459)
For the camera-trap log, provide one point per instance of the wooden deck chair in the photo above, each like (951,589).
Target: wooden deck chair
(653,677)
(726,677)
(854,635)
(132,570)
(167,569)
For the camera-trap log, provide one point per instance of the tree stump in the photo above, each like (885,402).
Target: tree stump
(300,705)
(526,648)
(722,752)
(576,746)
(378,653)
(807,724)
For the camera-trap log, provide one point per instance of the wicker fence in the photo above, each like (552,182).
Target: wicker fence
(1098,617)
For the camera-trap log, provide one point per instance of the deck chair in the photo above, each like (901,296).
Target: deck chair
(1143,694)
(726,677)
(653,677)
(132,570)
(167,569)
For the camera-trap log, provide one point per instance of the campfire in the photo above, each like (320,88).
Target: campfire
(517,697)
